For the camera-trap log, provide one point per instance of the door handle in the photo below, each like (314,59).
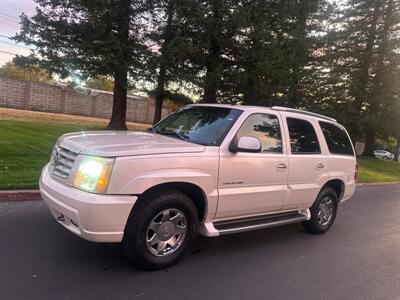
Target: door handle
(281,167)
(320,166)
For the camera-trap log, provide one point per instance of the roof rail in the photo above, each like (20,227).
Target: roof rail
(303,112)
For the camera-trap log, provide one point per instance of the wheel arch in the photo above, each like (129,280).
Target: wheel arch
(337,185)
(193,191)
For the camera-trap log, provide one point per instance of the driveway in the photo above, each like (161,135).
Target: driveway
(359,258)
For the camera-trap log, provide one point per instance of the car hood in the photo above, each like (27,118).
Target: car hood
(125,143)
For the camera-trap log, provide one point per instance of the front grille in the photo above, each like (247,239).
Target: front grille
(62,161)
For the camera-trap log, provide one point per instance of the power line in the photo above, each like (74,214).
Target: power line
(5,21)
(6,52)
(16,45)
(9,17)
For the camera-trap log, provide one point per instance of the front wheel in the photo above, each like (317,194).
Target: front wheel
(323,212)
(160,230)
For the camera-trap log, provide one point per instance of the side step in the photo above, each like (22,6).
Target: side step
(241,225)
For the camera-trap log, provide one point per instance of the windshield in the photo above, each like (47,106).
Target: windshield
(203,125)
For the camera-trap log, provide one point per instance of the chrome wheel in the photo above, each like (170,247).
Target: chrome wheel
(325,211)
(166,232)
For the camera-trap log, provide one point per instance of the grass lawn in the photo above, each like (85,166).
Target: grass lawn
(27,138)
(374,170)
(26,141)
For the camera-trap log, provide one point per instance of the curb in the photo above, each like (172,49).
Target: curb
(34,195)
(19,195)
(378,184)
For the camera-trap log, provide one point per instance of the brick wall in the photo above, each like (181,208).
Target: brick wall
(62,99)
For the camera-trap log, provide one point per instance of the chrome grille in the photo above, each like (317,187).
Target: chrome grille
(62,161)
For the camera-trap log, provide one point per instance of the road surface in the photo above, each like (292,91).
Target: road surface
(359,258)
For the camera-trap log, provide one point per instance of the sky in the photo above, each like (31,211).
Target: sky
(10,10)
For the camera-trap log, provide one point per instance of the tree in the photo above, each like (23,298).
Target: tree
(91,37)
(166,57)
(32,73)
(208,28)
(382,96)
(358,68)
(163,50)
(100,83)
(274,46)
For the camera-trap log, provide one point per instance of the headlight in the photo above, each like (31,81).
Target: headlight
(93,174)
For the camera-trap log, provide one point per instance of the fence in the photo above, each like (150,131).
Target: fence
(62,99)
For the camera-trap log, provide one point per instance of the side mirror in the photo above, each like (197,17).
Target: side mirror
(245,144)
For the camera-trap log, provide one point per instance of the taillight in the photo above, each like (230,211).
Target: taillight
(356,173)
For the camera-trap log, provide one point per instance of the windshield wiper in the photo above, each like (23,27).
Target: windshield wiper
(179,136)
(173,134)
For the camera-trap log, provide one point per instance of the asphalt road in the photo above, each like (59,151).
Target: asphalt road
(359,258)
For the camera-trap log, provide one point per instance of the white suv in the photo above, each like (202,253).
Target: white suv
(212,169)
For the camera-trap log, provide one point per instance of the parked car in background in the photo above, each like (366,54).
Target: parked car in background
(208,169)
(383,154)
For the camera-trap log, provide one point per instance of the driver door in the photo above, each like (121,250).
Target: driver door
(254,183)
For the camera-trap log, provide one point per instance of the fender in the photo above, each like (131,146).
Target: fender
(142,182)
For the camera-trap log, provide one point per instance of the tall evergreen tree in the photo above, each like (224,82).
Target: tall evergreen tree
(165,66)
(363,40)
(274,47)
(92,37)
(209,28)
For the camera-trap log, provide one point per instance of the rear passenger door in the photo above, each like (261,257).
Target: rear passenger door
(307,164)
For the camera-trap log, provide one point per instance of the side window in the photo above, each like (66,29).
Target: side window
(266,128)
(336,138)
(303,139)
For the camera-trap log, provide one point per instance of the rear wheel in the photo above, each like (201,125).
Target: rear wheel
(160,230)
(323,212)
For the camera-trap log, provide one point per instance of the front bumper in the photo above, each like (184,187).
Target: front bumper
(94,217)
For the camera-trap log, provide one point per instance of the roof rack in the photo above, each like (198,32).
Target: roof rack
(303,112)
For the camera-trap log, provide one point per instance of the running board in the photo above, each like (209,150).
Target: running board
(241,225)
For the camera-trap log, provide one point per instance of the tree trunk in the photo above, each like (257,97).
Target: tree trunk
(164,62)
(295,95)
(212,75)
(374,111)
(249,94)
(363,77)
(118,116)
(369,142)
(213,68)
(160,94)
(396,152)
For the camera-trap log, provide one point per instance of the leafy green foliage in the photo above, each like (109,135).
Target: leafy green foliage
(339,58)
(360,74)
(88,37)
(100,83)
(33,73)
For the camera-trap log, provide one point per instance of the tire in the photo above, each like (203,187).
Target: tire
(162,217)
(385,158)
(327,204)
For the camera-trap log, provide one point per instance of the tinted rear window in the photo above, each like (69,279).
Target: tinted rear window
(336,138)
(303,139)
